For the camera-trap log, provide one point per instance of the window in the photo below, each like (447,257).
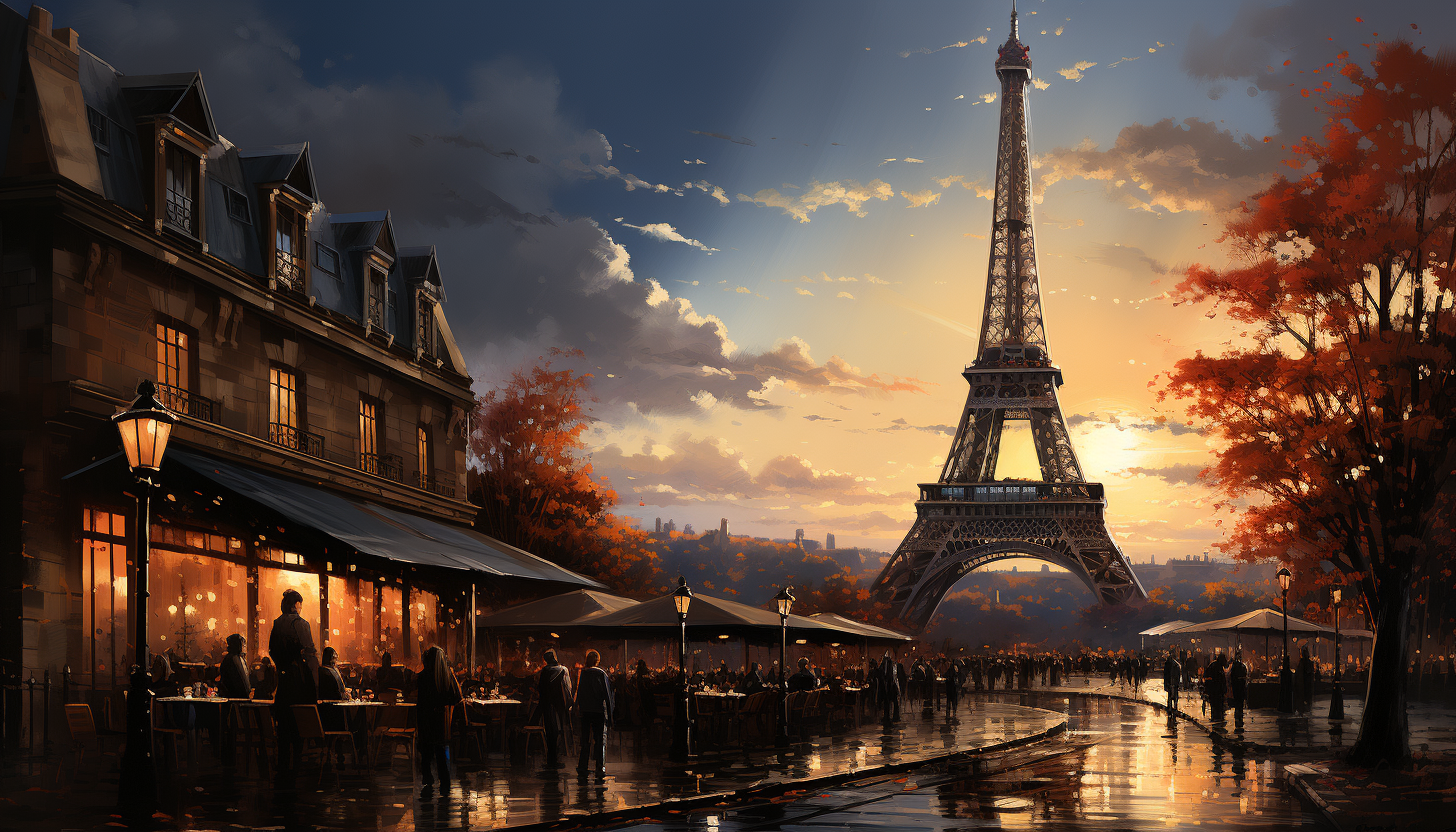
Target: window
(104,598)
(237,206)
(173,366)
(100,130)
(197,601)
(369,439)
(283,411)
(351,620)
(391,623)
(427,467)
(376,298)
(425,335)
(272,583)
(326,259)
(287,245)
(181,184)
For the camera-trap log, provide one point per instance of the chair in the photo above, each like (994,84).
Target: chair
(256,734)
(83,732)
(171,734)
(393,727)
(311,727)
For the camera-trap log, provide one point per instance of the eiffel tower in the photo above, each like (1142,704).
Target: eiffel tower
(968,519)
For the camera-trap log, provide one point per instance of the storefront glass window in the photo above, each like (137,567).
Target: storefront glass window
(104,602)
(351,620)
(197,601)
(272,583)
(391,624)
(425,623)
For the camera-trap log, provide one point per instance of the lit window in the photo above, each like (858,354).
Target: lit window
(172,366)
(369,436)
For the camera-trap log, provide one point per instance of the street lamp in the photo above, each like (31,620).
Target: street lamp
(681,742)
(145,429)
(1337,693)
(784,602)
(1286,677)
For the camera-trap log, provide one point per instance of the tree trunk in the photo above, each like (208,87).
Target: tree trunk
(1384,729)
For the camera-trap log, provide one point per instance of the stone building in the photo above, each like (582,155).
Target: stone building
(323,405)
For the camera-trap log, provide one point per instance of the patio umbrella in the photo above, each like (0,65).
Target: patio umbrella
(866,630)
(556,612)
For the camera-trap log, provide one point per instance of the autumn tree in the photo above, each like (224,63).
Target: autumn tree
(534,484)
(1334,412)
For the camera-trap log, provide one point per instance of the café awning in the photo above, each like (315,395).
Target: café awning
(1164,629)
(559,612)
(706,613)
(374,529)
(1258,621)
(868,631)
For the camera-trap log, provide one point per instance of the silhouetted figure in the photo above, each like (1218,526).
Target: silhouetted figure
(436,692)
(291,646)
(1172,679)
(889,688)
(233,674)
(331,682)
(1213,684)
(594,708)
(1306,679)
(553,691)
(1239,686)
(752,680)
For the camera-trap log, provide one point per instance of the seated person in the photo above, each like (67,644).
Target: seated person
(804,679)
(331,682)
(752,681)
(233,674)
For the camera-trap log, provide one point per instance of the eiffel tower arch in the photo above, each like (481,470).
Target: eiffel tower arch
(969,519)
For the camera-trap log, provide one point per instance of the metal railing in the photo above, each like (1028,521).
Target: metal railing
(287,271)
(179,212)
(389,466)
(296,439)
(1011,492)
(434,485)
(186,402)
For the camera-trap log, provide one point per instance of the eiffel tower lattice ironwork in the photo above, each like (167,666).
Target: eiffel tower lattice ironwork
(968,519)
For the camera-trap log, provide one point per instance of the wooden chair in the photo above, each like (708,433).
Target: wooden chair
(311,727)
(162,731)
(393,727)
(255,735)
(83,732)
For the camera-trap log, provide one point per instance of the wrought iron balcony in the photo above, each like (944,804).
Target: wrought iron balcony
(186,402)
(296,439)
(389,466)
(287,271)
(179,212)
(434,485)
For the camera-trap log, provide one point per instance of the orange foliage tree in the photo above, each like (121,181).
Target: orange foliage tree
(1335,414)
(536,489)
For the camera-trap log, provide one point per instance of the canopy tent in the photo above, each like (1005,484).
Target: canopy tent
(1164,629)
(1257,621)
(869,631)
(556,612)
(714,614)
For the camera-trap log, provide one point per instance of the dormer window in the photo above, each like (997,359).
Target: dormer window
(289,260)
(377,299)
(180,190)
(425,326)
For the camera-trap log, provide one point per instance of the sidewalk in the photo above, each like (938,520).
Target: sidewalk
(497,795)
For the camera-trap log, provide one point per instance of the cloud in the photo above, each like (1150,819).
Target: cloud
(1175,166)
(1126,420)
(845,295)
(1129,258)
(983,191)
(849,193)
(921,199)
(1040,84)
(666,233)
(802,291)
(725,137)
(1074,72)
(926,50)
(1180,473)
(688,470)
(902,425)
(710,189)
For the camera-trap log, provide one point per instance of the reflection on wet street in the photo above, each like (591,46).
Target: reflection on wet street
(1121,766)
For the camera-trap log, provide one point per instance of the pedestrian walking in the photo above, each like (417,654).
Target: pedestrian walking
(889,688)
(1239,686)
(436,692)
(290,644)
(553,701)
(1306,679)
(594,708)
(1172,676)
(1213,687)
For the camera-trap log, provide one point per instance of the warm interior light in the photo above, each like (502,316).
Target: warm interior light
(784,601)
(145,429)
(682,597)
(1335,595)
(1284,576)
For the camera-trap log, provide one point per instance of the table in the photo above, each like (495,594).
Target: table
(191,723)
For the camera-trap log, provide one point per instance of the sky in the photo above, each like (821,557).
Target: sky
(765,225)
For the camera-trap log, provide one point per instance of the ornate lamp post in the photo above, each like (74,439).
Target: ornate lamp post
(784,601)
(145,429)
(681,742)
(1286,676)
(1337,693)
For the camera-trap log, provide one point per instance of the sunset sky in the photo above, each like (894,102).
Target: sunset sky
(765,223)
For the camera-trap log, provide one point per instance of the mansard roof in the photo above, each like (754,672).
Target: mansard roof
(179,94)
(284,164)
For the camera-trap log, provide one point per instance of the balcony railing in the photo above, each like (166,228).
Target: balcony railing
(389,466)
(434,485)
(179,212)
(186,402)
(296,439)
(1031,492)
(287,271)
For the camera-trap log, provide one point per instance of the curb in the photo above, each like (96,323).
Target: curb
(768,790)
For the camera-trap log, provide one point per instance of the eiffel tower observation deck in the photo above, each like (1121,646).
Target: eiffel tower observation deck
(970,519)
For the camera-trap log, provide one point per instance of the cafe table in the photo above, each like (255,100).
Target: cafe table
(496,714)
(214,710)
(856,693)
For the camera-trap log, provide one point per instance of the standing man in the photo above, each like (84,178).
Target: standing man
(553,693)
(889,688)
(1306,679)
(290,644)
(1213,684)
(594,706)
(1172,678)
(1239,683)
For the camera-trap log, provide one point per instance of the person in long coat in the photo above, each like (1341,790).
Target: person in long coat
(1239,685)
(553,692)
(1306,679)
(594,706)
(889,688)
(291,646)
(1172,678)
(1213,688)
(436,692)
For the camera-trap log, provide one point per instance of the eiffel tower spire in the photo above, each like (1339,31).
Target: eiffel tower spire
(969,519)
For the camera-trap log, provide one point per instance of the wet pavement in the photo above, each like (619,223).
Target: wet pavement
(1120,765)
(497,793)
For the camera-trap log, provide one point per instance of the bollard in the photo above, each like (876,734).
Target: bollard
(30,704)
(46,714)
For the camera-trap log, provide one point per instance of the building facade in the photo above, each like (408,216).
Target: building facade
(323,405)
